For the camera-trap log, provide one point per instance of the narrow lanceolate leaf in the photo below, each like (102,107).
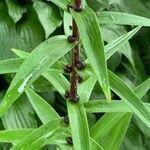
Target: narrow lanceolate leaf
(57,80)
(122,18)
(37,138)
(45,55)
(20,53)
(44,111)
(10,65)
(96,106)
(113,47)
(67,21)
(95,145)
(93,45)
(104,125)
(14,136)
(115,137)
(79,126)
(129,97)
(76,112)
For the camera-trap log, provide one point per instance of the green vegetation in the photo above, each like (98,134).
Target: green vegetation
(74,74)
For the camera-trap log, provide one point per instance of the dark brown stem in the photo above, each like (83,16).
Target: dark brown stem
(75,60)
(77,2)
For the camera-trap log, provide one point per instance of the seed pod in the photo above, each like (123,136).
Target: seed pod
(68,68)
(80,78)
(74,99)
(69,140)
(77,7)
(66,119)
(81,65)
(67,94)
(71,39)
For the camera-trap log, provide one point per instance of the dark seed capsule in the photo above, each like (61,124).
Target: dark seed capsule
(81,65)
(66,119)
(74,99)
(80,78)
(71,39)
(77,8)
(67,68)
(67,94)
(69,140)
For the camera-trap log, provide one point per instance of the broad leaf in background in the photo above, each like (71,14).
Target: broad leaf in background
(122,18)
(42,58)
(14,10)
(24,32)
(48,15)
(93,45)
(110,33)
(127,6)
(20,115)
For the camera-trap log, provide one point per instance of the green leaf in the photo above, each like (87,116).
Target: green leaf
(14,10)
(37,138)
(48,16)
(14,136)
(76,112)
(85,89)
(93,45)
(57,80)
(20,115)
(20,53)
(114,46)
(104,125)
(67,21)
(129,97)
(115,137)
(45,112)
(95,145)
(23,32)
(62,4)
(79,126)
(96,106)
(122,18)
(10,65)
(38,61)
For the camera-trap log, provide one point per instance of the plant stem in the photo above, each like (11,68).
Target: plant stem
(77,2)
(75,60)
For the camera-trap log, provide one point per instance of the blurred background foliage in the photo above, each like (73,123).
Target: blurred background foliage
(24,24)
